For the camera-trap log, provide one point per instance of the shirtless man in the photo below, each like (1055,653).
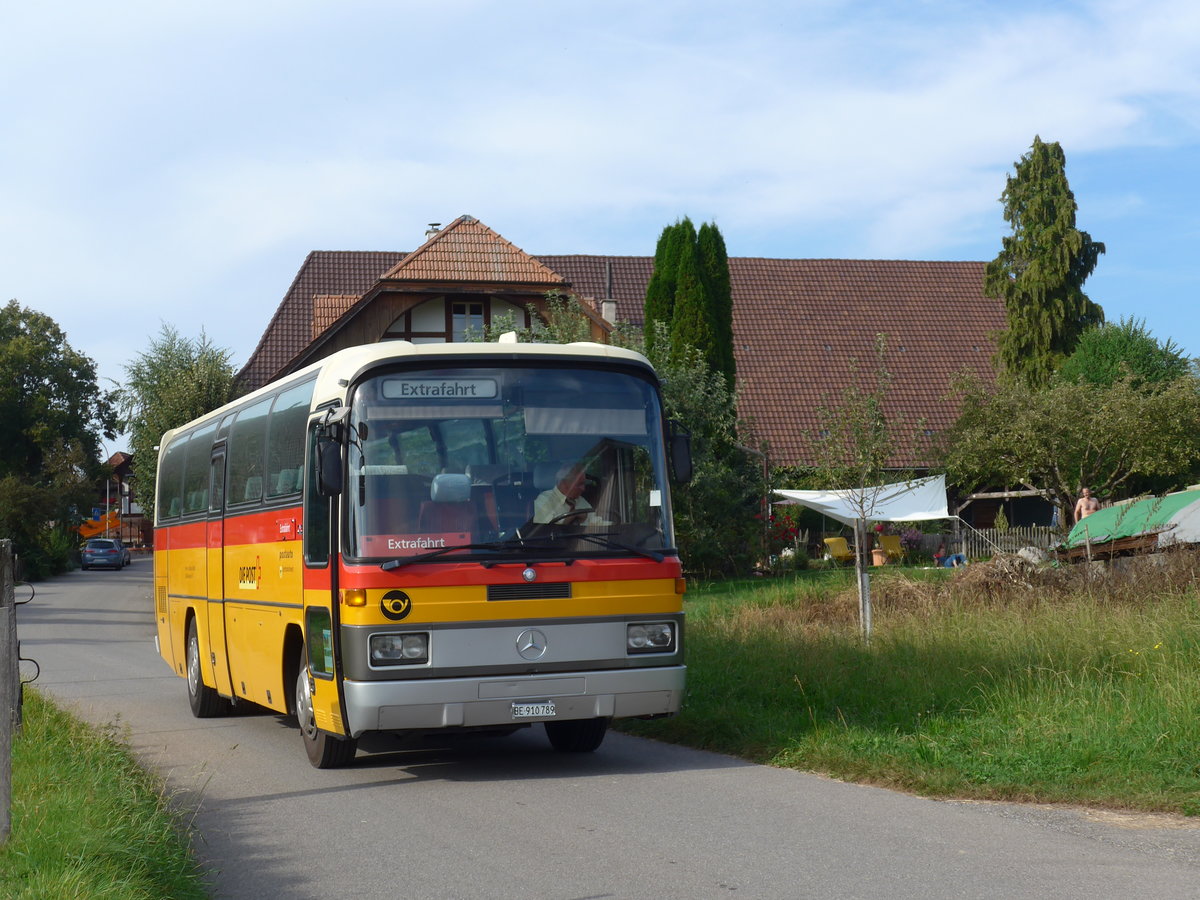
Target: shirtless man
(1086,506)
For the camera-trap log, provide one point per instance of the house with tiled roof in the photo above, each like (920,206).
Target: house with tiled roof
(803,328)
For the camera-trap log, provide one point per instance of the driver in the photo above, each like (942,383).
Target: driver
(565,498)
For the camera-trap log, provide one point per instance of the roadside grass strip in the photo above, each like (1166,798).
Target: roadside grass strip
(87,820)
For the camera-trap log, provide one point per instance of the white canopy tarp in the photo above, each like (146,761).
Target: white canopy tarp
(905,501)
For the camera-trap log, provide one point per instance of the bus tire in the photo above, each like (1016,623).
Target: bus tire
(205,702)
(576,735)
(325,750)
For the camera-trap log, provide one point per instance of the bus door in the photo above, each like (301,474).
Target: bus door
(320,668)
(217,655)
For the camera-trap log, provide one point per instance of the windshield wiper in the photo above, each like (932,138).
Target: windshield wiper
(605,541)
(433,554)
(602,540)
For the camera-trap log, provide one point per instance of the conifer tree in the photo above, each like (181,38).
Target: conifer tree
(660,291)
(691,321)
(1041,268)
(715,263)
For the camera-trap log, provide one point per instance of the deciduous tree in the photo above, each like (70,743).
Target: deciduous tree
(172,382)
(52,417)
(1109,352)
(1112,438)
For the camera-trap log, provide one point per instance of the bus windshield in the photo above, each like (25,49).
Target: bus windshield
(505,460)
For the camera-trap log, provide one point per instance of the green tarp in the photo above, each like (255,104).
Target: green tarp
(1177,516)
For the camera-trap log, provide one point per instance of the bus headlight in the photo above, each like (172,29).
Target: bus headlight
(650,637)
(410,649)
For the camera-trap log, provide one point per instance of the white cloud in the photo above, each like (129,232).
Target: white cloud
(207,148)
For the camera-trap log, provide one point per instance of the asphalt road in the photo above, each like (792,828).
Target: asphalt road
(509,818)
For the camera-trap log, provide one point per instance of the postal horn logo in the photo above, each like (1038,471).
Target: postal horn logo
(395,605)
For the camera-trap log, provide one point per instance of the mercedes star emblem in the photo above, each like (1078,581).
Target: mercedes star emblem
(531,644)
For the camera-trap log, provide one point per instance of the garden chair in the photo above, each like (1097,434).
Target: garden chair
(890,544)
(839,551)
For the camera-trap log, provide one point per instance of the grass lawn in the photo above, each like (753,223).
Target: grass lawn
(995,681)
(87,821)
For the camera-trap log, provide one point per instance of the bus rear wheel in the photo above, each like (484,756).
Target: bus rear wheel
(206,703)
(576,735)
(325,750)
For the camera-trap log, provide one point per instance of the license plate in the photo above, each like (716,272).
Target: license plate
(542,710)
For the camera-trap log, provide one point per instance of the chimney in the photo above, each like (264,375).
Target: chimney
(608,306)
(434,228)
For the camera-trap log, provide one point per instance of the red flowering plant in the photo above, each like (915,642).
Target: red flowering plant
(782,530)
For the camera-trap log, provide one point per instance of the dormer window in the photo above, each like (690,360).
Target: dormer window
(467,319)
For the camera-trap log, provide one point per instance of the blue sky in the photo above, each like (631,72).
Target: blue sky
(175,162)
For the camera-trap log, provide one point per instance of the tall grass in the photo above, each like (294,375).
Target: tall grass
(87,821)
(996,681)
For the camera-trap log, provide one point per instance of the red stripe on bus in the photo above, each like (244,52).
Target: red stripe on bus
(442,574)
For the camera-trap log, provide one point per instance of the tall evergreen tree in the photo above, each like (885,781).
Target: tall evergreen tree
(660,291)
(691,321)
(715,262)
(1041,268)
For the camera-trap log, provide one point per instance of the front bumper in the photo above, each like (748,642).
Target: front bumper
(480,702)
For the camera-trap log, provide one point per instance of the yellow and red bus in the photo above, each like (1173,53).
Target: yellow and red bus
(370,545)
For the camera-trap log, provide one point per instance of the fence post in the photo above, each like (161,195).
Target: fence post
(10,685)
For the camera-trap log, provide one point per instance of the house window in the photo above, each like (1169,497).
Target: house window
(466,320)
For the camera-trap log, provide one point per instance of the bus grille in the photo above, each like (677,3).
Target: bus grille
(555,590)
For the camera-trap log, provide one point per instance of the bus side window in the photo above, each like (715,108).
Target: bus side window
(170,479)
(285,440)
(196,469)
(247,454)
(316,510)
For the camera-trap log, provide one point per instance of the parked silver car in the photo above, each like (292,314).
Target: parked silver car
(109,553)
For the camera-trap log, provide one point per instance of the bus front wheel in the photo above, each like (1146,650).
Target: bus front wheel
(576,735)
(325,750)
(206,703)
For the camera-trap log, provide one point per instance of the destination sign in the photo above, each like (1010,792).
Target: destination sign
(440,388)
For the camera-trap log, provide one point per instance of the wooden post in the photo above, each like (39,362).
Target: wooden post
(10,685)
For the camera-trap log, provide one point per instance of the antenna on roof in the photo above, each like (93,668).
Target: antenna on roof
(434,228)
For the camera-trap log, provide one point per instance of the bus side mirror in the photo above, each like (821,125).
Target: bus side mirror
(679,446)
(329,467)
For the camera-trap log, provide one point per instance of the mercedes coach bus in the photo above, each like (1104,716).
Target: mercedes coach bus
(402,538)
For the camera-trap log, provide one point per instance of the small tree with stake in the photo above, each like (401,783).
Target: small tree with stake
(856,443)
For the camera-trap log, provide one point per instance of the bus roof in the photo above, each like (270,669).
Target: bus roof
(336,371)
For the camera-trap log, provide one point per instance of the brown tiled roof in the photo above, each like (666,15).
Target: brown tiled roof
(327,309)
(593,276)
(468,251)
(290,329)
(801,326)
(812,330)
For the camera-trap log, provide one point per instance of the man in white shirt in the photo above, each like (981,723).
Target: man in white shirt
(564,498)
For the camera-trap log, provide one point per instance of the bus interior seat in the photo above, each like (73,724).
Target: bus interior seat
(449,509)
(285,482)
(253,489)
(395,498)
